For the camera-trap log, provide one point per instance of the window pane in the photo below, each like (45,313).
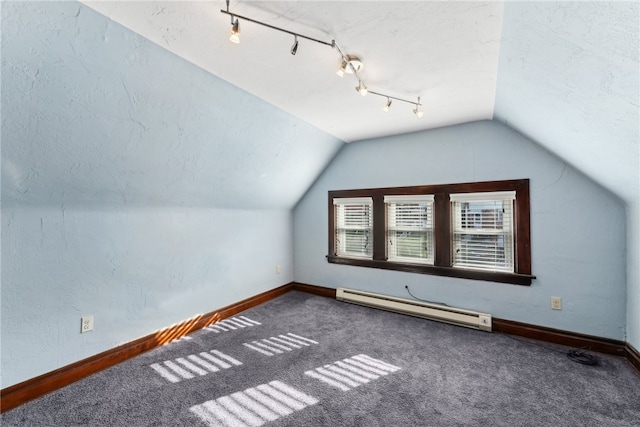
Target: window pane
(482,235)
(356,242)
(353,233)
(410,232)
(411,244)
(483,251)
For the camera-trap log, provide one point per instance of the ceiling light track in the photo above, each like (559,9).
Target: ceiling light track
(389,98)
(273,27)
(350,64)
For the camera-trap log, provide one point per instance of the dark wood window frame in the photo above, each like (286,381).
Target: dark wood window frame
(442,230)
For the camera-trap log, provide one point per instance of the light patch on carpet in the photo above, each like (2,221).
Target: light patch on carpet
(185,368)
(232,324)
(280,344)
(352,372)
(254,406)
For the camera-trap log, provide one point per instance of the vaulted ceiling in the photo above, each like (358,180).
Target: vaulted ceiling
(445,52)
(563,73)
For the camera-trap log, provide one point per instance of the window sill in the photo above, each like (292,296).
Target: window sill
(490,276)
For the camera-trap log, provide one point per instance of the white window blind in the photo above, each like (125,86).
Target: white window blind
(354,227)
(483,226)
(410,228)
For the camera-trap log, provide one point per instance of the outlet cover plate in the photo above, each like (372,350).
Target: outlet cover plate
(86,324)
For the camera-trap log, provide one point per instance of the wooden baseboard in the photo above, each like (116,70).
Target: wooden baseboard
(525,330)
(539,333)
(25,391)
(633,356)
(313,289)
(557,336)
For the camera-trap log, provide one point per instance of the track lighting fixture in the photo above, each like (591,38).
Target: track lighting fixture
(350,64)
(354,64)
(361,88)
(387,106)
(342,69)
(390,99)
(235,31)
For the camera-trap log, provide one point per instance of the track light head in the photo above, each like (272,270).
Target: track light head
(361,88)
(354,64)
(417,111)
(235,31)
(350,65)
(294,48)
(387,106)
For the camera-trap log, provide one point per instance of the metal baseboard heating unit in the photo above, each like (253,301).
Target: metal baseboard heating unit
(442,313)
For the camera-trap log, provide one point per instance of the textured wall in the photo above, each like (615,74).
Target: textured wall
(568,78)
(578,228)
(136,271)
(94,113)
(135,187)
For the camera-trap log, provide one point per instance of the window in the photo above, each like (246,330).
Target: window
(354,227)
(410,228)
(483,230)
(470,230)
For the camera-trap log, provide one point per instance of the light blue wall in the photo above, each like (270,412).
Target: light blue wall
(136,271)
(135,187)
(578,228)
(568,78)
(94,113)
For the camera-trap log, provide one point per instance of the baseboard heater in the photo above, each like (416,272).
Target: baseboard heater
(442,313)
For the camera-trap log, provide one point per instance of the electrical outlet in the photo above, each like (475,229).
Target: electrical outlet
(86,324)
(556,303)
(278,269)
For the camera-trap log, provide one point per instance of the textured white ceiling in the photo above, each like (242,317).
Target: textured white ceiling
(445,52)
(564,73)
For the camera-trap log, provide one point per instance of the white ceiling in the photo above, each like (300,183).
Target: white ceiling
(445,52)
(456,55)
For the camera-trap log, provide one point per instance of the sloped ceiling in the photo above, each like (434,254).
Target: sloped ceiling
(564,73)
(446,52)
(94,116)
(568,78)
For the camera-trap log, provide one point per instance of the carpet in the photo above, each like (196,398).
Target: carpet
(305,360)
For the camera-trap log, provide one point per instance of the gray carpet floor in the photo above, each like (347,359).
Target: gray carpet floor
(303,360)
